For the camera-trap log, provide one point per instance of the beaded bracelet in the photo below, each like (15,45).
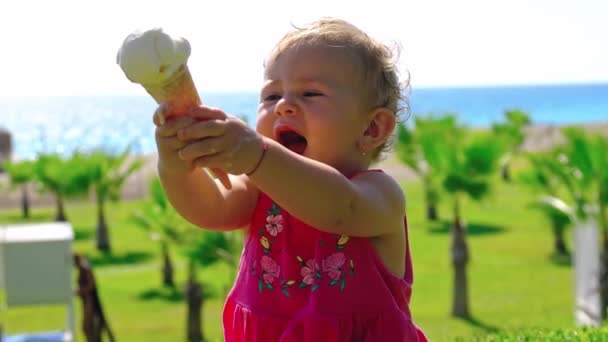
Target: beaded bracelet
(264,148)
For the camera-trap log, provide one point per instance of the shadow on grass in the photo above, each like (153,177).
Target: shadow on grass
(481,325)
(35,217)
(83,234)
(561,259)
(473,229)
(165,294)
(129,258)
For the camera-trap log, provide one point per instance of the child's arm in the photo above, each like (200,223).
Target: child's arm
(370,204)
(205,203)
(193,192)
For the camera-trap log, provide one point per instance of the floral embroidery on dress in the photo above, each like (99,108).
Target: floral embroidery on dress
(342,241)
(311,273)
(271,271)
(265,244)
(333,264)
(334,267)
(274,225)
(270,275)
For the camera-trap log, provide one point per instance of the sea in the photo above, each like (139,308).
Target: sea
(69,123)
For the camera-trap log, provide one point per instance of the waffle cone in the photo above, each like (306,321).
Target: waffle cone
(179,92)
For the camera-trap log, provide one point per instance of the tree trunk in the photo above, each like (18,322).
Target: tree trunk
(25,201)
(604,276)
(559,228)
(560,246)
(460,258)
(103,235)
(604,282)
(167,266)
(194,298)
(603,223)
(506,173)
(61,217)
(431,212)
(431,198)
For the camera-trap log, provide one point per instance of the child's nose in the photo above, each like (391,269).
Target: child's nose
(285,107)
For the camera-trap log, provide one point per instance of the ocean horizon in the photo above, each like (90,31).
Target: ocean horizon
(62,124)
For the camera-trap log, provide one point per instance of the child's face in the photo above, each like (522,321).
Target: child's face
(313,103)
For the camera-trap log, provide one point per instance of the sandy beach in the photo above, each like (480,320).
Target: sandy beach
(538,138)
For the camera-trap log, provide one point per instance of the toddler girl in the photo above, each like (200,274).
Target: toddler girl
(326,254)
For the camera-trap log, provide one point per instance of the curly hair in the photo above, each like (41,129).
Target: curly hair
(379,63)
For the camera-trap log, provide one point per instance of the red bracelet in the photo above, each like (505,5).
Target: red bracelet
(257,165)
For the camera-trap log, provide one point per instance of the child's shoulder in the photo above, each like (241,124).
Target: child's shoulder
(382,183)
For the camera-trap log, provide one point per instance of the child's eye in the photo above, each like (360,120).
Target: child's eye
(311,93)
(272,97)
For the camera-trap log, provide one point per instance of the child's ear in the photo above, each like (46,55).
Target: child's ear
(380,125)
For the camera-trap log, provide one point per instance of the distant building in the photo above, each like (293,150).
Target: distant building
(6,147)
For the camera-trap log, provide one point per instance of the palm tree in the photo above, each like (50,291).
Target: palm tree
(107,174)
(206,247)
(64,177)
(541,178)
(21,174)
(512,135)
(583,164)
(158,217)
(201,248)
(470,167)
(558,213)
(421,149)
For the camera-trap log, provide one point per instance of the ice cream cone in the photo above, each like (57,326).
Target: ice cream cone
(179,91)
(158,62)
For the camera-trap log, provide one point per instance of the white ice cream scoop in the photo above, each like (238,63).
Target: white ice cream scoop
(151,57)
(158,62)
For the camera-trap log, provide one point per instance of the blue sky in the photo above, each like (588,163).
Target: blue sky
(66,47)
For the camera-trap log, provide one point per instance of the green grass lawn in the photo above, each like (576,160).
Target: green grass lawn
(514,282)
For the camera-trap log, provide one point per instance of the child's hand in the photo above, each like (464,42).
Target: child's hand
(228,144)
(161,117)
(167,143)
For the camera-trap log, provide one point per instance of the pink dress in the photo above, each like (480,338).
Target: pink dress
(298,284)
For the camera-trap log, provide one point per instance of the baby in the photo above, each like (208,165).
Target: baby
(326,254)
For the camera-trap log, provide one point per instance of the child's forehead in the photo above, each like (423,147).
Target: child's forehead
(314,62)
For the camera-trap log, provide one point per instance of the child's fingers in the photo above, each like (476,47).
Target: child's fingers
(160,114)
(171,127)
(164,113)
(201,148)
(207,113)
(202,129)
(223,177)
(216,161)
(170,143)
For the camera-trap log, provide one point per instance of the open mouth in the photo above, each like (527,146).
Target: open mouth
(292,140)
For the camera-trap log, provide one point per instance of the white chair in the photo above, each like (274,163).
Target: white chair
(36,269)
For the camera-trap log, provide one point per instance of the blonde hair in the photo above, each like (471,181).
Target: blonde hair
(379,61)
